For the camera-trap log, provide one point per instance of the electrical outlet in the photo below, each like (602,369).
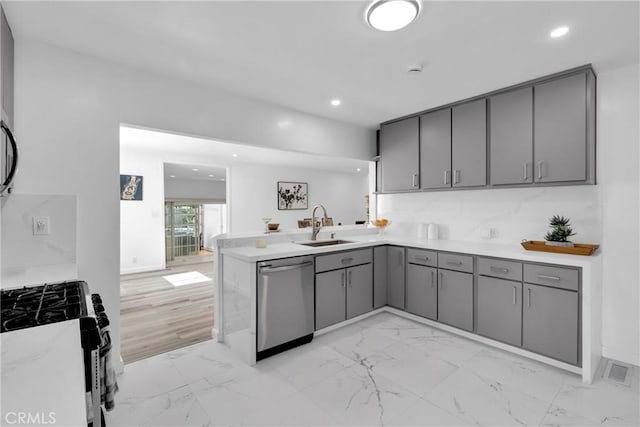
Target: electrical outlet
(41,225)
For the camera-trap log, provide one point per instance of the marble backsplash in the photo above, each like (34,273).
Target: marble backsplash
(512,214)
(29,259)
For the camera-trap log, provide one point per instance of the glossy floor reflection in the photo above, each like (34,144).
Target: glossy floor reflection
(384,370)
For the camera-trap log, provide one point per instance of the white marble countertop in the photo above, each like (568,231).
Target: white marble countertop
(512,251)
(43,375)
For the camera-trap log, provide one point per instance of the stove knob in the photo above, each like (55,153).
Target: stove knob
(96,298)
(98,308)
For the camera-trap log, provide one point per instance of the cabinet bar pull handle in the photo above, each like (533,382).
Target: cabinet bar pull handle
(349,276)
(515,290)
(446,177)
(454,262)
(399,258)
(456,176)
(539,170)
(415,180)
(342,280)
(544,276)
(422,258)
(524,171)
(499,269)
(432,279)
(441,280)
(346,260)
(529,297)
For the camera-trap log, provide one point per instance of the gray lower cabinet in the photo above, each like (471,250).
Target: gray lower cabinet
(511,137)
(379,276)
(359,290)
(422,291)
(550,322)
(469,144)
(343,294)
(399,145)
(499,310)
(330,298)
(560,129)
(455,299)
(435,149)
(395,277)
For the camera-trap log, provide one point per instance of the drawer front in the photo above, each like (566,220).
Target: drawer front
(455,262)
(422,257)
(500,268)
(557,277)
(343,259)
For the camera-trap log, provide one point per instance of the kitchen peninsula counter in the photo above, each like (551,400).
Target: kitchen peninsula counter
(236,278)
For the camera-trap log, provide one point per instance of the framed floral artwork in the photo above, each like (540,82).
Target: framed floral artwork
(292,195)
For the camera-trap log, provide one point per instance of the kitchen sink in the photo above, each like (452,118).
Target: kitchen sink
(324,243)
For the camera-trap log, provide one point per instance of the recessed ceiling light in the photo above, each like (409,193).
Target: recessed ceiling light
(392,15)
(211,175)
(559,32)
(195,169)
(234,155)
(336,102)
(358,170)
(172,176)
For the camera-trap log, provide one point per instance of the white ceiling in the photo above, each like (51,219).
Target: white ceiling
(301,54)
(194,172)
(216,156)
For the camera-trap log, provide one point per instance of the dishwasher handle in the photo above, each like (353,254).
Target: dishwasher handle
(267,270)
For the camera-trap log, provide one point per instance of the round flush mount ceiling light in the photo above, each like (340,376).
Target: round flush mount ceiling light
(559,32)
(336,102)
(392,15)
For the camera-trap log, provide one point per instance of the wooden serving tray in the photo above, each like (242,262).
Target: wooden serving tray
(577,249)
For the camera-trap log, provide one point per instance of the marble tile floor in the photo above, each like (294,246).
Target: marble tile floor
(383,370)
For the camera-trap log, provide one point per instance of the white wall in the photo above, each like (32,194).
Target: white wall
(142,221)
(618,153)
(607,213)
(214,220)
(194,189)
(253,195)
(68,109)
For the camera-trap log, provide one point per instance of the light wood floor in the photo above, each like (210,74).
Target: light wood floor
(156,316)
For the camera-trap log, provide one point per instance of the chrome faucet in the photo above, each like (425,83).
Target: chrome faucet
(317,224)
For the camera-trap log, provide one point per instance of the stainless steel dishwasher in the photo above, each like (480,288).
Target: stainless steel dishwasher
(285,304)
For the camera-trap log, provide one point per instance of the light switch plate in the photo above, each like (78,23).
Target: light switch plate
(41,225)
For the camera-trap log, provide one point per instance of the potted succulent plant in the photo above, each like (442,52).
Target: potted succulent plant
(560,231)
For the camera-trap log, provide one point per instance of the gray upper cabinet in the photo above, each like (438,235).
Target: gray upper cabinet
(395,277)
(359,290)
(379,276)
(399,145)
(540,132)
(499,310)
(422,291)
(435,149)
(455,299)
(550,322)
(511,137)
(6,71)
(469,144)
(560,129)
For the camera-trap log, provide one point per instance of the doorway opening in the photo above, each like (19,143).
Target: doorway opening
(189,230)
